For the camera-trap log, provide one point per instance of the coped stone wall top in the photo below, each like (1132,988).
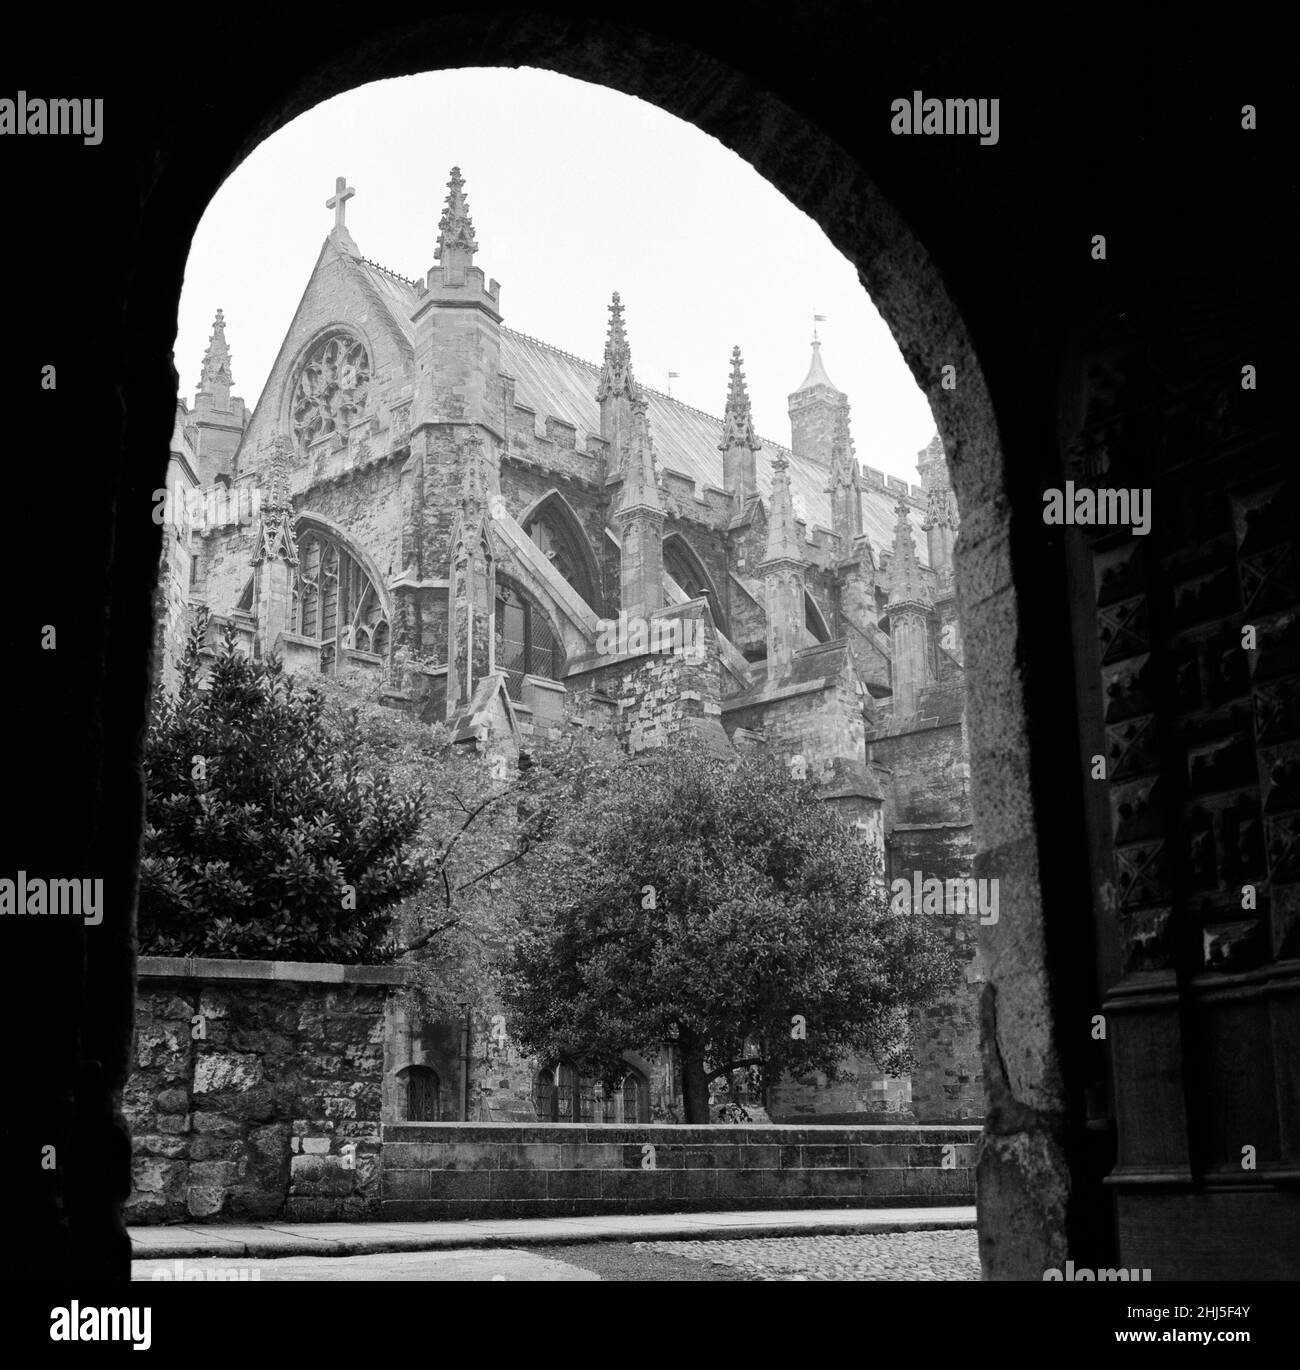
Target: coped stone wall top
(309,972)
(918,1134)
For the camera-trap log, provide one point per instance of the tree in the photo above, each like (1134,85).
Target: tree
(719,906)
(483,814)
(265,834)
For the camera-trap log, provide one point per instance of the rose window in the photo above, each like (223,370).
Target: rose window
(332,388)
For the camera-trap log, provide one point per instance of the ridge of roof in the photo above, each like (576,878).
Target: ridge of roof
(388,271)
(649,389)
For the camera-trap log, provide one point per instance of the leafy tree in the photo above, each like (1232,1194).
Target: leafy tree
(266,836)
(483,813)
(719,906)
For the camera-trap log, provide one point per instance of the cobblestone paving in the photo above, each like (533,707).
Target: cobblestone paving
(883,1256)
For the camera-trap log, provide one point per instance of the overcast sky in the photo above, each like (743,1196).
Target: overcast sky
(575,191)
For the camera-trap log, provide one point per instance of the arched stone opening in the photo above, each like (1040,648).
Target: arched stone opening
(683,563)
(557,530)
(527,639)
(815,620)
(808,167)
(420,1094)
(910,293)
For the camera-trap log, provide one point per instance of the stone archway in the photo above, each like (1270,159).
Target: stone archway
(1000,589)
(1025,1162)
(910,292)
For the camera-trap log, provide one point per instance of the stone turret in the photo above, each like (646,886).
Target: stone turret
(457,327)
(815,412)
(217,422)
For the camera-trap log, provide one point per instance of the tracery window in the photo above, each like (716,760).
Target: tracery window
(336,602)
(332,388)
(562,1095)
(525,641)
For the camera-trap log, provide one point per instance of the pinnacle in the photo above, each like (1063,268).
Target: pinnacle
(275,537)
(736,392)
(640,486)
(616,371)
(455,228)
(782,536)
(216,360)
(737,418)
(616,336)
(905,580)
(844,469)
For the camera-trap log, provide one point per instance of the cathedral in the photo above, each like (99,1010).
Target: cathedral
(492,533)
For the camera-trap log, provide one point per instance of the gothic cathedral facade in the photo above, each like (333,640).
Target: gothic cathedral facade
(492,533)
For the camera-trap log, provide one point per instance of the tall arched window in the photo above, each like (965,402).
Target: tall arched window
(526,643)
(555,1093)
(422,1094)
(562,1095)
(336,601)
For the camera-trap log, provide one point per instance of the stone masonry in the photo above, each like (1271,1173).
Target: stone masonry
(255,1091)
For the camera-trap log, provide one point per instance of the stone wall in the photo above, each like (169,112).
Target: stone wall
(928,817)
(451,1171)
(660,695)
(863,1094)
(171,621)
(255,1090)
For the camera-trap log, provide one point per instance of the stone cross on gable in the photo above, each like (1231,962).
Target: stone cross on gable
(339,200)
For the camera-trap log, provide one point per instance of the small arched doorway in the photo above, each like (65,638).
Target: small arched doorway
(421,1094)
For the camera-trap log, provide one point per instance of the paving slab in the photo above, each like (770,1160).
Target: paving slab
(342,1240)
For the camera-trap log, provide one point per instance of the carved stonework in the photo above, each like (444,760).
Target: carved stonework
(331,390)
(1122,629)
(400,428)
(940,510)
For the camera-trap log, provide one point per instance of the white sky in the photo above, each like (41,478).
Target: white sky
(575,191)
